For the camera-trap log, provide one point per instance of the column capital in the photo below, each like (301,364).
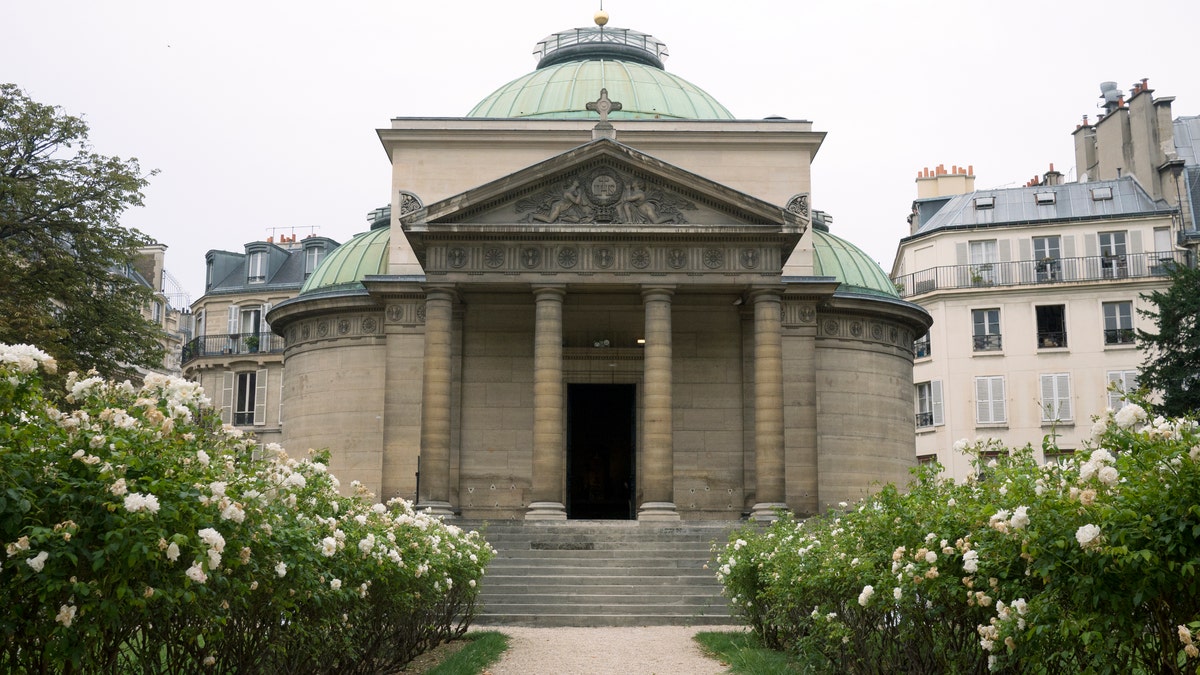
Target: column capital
(652,290)
(441,291)
(772,292)
(540,290)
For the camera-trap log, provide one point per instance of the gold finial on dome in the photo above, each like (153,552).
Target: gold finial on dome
(601,17)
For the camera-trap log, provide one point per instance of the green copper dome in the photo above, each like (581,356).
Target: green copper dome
(575,65)
(344,269)
(838,258)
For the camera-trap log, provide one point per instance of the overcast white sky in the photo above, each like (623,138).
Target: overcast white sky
(262,114)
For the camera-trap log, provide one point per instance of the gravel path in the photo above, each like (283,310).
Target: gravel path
(646,650)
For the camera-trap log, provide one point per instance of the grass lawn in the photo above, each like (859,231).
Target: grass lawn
(745,656)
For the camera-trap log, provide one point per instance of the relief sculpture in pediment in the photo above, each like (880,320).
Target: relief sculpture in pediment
(604,196)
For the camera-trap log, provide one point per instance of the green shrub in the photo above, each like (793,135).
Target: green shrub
(140,538)
(1086,567)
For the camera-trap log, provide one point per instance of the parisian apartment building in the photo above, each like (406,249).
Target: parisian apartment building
(1037,291)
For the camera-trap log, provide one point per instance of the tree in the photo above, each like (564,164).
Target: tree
(62,248)
(1172,363)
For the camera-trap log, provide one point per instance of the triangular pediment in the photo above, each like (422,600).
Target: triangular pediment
(603,186)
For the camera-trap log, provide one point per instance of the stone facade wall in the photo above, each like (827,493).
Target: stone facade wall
(333,393)
(864,405)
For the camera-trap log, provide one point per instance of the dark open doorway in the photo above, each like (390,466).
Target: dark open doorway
(600,451)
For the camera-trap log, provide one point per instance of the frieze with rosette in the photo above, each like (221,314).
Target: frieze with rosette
(861,329)
(338,327)
(591,257)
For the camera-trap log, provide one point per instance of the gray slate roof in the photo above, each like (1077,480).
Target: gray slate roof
(1011,206)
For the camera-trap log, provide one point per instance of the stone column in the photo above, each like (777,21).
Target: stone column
(658,466)
(434,493)
(549,449)
(768,404)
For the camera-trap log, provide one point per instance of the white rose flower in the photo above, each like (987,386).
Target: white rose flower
(1108,475)
(66,614)
(213,538)
(281,569)
(328,546)
(1088,535)
(336,584)
(196,573)
(38,561)
(865,596)
(173,552)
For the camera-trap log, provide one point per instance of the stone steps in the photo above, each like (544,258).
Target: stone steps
(602,573)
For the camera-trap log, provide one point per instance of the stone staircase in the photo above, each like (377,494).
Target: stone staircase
(602,573)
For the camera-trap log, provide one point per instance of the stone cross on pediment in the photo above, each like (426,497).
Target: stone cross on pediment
(604,106)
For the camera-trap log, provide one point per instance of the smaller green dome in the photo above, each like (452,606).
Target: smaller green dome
(838,258)
(344,269)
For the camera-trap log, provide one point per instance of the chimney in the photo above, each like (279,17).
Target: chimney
(1052,177)
(939,182)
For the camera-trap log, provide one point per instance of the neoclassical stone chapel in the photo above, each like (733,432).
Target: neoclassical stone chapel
(601,296)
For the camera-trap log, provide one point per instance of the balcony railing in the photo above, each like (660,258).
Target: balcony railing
(1119,336)
(924,419)
(1040,272)
(231,344)
(1051,339)
(987,343)
(921,348)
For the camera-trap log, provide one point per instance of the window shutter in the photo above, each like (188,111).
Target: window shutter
(280,398)
(1135,241)
(1090,248)
(1025,246)
(998,412)
(983,408)
(1049,399)
(960,252)
(265,335)
(935,400)
(1064,397)
(1005,250)
(260,398)
(233,320)
(1068,244)
(227,397)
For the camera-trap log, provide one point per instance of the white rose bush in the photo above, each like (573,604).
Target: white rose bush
(1086,566)
(139,537)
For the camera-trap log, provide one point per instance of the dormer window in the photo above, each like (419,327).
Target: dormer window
(1101,193)
(985,203)
(1043,198)
(256,267)
(313,255)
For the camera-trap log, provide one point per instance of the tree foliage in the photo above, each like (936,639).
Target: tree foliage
(61,242)
(1172,364)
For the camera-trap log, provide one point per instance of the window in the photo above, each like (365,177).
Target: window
(1120,384)
(256,267)
(1060,456)
(208,274)
(924,460)
(156,312)
(313,255)
(1047,254)
(1056,397)
(1118,323)
(989,400)
(1112,255)
(921,348)
(1051,326)
(985,202)
(986,329)
(244,400)
(1043,197)
(1101,193)
(929,404)
(983,258)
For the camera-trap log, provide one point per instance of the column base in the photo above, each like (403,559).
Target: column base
(657,511)
(765,512)
(442,510)
(546,511)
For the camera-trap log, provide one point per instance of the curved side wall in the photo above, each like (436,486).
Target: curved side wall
(864,406)
(333,394)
